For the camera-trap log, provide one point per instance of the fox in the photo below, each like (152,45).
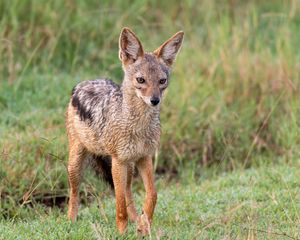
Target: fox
(116,128)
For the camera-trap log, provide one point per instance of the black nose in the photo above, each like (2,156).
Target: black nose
(154,101)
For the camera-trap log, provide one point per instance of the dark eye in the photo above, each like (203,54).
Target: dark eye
(162,81)
(140,80)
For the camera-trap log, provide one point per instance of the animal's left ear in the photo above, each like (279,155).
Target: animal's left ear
(168,51)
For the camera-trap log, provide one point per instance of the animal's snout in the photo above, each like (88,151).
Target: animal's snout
(154,101)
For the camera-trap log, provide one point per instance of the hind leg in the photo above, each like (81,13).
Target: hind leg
(77,155)
(132,214)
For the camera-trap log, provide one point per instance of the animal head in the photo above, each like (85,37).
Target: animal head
(147,74)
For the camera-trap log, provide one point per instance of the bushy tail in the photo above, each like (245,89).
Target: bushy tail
(102,166)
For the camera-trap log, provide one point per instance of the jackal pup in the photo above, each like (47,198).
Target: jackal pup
(117,127)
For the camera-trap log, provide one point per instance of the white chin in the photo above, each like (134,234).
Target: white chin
(147,101)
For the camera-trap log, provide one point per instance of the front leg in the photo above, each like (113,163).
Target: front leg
(145,168)
(119,173)
(132,214)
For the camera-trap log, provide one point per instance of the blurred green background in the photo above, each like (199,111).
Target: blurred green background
(233,101)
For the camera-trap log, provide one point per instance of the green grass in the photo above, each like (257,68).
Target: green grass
(230,116)
(261,203)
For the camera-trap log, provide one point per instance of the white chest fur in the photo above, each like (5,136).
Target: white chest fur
(138,143)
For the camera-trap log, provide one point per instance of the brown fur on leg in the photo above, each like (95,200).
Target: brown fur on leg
(145,168)
(128,195)
(77,155)
(119,173)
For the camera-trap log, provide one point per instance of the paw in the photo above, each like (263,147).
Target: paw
(122,226)
(143,225)
(72,215)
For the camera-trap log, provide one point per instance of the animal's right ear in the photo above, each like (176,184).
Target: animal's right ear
(130,47)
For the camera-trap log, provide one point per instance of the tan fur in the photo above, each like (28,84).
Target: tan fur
(122,123)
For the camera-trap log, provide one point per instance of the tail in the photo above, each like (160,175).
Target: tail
(102,166)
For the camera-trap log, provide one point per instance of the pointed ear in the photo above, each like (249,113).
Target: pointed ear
(130,47)
(168,51)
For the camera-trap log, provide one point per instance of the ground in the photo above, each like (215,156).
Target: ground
(258,203)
